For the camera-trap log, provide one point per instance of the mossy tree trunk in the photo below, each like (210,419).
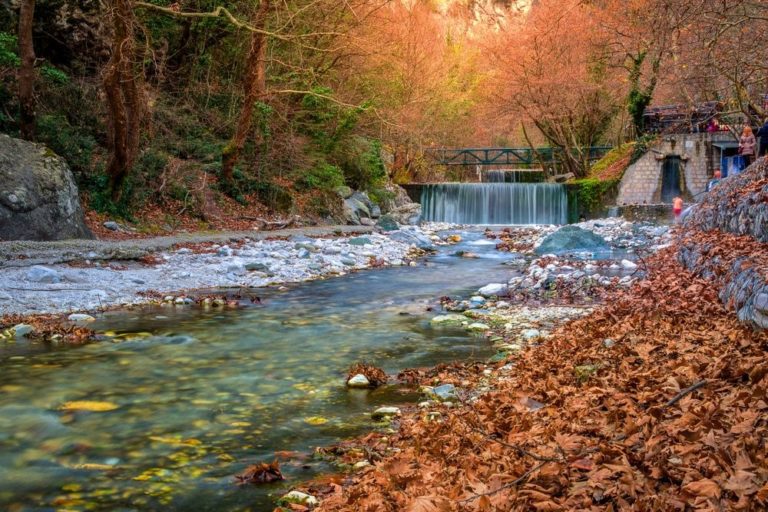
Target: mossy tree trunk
(254,89)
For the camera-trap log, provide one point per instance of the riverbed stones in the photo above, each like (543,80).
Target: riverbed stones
(359,381)
(478,326)
(38,195)
(572,239)
(257,266)
(413,237)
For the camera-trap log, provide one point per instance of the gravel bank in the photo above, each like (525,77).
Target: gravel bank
(109,274)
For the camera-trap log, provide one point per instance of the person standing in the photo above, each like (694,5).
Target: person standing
(763,134)
(747,146)
(677,208)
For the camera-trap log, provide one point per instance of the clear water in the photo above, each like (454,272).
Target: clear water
(202,394)
(495,203)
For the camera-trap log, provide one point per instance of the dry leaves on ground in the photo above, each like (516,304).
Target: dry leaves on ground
(672,416)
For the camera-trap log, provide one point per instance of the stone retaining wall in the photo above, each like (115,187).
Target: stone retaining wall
(738,205)
(743,284)
(737,257)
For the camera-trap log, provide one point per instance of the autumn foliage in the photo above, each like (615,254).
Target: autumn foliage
(669,415)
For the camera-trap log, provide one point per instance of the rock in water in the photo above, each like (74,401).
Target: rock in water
(572,239)
(385,412)
(493,289)
(38,194)
(298,498)
(359,381)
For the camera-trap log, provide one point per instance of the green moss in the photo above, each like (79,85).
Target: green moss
(590,192)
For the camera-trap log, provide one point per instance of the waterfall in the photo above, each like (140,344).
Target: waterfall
(511,176)
(499,176)
(495,203)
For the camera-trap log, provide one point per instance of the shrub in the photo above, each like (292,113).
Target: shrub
(323,176)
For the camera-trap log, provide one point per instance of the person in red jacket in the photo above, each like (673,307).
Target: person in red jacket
(677,208)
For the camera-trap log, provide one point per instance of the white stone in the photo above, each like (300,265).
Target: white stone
(493,289)
(80,318)
(628,265)
(359,381)
(478,326)
(300,498)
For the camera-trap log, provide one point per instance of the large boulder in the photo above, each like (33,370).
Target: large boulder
(359,209)
(397,198)
(572,239)
(38,195)
(408,214)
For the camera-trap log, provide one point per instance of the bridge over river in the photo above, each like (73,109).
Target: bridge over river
(509,157)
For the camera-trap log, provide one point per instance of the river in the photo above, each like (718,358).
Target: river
(197,395)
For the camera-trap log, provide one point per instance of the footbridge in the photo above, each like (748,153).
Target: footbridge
(514,157)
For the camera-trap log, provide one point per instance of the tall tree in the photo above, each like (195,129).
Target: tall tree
(26,70)
(254,89)
(125,101)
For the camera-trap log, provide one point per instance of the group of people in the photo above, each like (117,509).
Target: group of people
(748,143)
(748,150)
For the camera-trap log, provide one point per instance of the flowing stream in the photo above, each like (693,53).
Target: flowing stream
(199,394)
(495,203)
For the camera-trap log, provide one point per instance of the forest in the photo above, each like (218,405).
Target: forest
(189,104)
(235,275)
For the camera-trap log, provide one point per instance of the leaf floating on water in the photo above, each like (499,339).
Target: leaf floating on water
(88,405)
(260,474)
(316,420)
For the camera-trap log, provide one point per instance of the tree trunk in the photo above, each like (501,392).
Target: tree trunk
(124,103)
(254,88)
(27,70)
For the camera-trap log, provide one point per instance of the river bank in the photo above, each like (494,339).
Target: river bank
(167,435)
(86,277)
(627,405)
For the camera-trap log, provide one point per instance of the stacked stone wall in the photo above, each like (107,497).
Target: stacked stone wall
(724,239)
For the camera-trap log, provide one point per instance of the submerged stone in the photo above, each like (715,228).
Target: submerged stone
(385,412)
